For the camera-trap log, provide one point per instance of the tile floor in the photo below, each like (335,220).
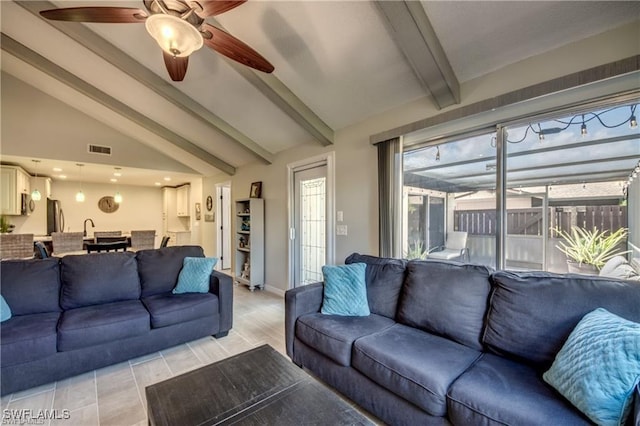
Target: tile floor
(114,395)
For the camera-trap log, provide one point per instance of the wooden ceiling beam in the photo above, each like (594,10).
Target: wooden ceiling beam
(409,25)
(109,52)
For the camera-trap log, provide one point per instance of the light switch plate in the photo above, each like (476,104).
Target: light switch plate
(341,230)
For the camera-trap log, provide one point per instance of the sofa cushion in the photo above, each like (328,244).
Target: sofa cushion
(345,291)
(598,367)
(159,268)
(93,279)
(445,298)
(5,310)
(31,286)
(333,335)
(93,325)
(530,316)
(27,338)
(415,365)
(499,391)
(168,309)
(195,275)
(384,278)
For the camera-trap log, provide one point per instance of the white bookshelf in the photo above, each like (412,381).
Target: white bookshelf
(249,242)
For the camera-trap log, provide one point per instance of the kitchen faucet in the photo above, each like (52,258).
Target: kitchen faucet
(85,225)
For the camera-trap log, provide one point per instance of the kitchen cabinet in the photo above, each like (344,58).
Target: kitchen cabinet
(182,200)
(14,183)
(249,242)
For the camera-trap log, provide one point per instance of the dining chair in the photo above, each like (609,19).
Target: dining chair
(16,246)
(101,234)
(119,239)
(65,242)
(143,240)
(41,250)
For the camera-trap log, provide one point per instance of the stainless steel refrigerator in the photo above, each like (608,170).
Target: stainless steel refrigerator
(55,217)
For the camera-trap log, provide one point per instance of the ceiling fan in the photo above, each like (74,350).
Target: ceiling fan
(178,26)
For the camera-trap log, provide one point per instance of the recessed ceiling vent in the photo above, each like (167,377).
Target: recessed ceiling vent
(98,149)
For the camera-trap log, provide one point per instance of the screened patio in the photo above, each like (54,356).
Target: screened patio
(557,172)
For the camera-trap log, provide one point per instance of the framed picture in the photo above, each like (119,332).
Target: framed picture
(198,211)
(256,190)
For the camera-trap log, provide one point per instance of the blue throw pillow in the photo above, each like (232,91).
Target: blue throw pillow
(598,367)
(194,276)
(345,290)
(5,310)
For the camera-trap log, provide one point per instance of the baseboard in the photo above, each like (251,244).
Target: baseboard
(274,290)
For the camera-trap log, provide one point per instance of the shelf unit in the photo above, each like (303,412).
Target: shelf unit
(249,242)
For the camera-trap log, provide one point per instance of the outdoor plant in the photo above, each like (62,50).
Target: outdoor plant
(416,251)
(591,247)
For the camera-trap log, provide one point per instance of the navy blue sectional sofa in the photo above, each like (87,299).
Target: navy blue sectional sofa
(82,312)
(449,343)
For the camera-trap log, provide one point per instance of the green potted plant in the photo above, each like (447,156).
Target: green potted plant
(588,251)
(5,226)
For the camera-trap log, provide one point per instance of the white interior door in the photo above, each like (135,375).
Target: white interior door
(224,225)
(309,233)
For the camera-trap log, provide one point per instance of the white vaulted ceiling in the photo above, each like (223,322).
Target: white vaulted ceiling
(336,64)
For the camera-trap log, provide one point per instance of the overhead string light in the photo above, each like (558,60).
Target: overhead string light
(581,119)
(632,176)
(583,128)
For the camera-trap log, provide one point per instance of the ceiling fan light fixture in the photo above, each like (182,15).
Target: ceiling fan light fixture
(174,35)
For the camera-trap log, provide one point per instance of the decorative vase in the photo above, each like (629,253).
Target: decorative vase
(581,268)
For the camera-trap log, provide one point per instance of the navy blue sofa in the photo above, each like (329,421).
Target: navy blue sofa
(449,343)
(81,312)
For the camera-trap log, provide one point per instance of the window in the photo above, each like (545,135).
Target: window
(568,169)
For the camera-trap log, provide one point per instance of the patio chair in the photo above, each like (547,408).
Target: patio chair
(455,248)
(65,242)
(143,240)
(16,246)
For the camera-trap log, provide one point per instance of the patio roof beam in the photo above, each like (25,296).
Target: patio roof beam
(533,151)
(551,166)
(554,179)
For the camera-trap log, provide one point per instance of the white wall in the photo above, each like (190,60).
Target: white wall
(356,158)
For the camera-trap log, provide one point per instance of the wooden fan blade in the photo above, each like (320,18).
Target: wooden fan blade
(176,65)
(216,7)
(106,15)
(226,44)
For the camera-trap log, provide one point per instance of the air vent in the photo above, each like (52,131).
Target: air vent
(98,149)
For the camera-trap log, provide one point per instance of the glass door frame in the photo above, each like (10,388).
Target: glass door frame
(327,159)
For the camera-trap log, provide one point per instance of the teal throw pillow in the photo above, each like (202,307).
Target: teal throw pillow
(5,310)
(598,367)
(194,275)
(345,290)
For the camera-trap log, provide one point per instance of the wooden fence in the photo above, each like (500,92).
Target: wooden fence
(529,221)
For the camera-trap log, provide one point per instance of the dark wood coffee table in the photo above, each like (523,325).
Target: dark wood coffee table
(259,386)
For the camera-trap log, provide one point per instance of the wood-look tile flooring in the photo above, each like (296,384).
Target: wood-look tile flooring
(115,395)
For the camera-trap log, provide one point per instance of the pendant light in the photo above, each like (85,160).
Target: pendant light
(80,194)
(35,194)
(117,197)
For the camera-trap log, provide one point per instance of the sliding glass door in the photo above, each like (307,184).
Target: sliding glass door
(512,189)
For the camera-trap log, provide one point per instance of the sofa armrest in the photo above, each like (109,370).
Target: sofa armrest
(297,302)
(222,286)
